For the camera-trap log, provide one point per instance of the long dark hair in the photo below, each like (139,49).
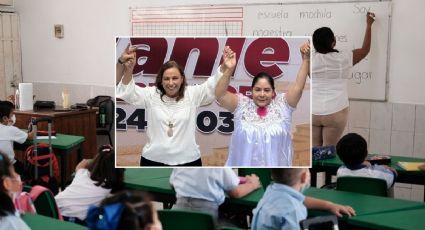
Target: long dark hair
(6,204)
(137,209)
(103,171)
(265,76)
(323,38)
(160,75)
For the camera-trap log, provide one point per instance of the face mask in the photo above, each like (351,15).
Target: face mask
(13,118)
(305,187)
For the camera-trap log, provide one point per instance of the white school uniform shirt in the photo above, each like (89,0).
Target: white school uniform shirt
(204,183)
(13,222)
(330,73)
(374,171)
(76,199)
(181,147)
(8,135)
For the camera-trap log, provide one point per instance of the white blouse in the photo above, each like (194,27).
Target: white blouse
(330,73)
(261,141)
(181,147)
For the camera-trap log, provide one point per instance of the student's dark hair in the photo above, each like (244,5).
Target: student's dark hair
(352,149)
(6,108)
(323,39)
(6,204)
(103,171)
(137,209)
(160,75)
(265,76)
(287,176)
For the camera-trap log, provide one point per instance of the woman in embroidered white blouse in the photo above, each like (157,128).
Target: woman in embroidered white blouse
(262,135)
(170,108)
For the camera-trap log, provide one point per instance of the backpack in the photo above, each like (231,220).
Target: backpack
(42,164)
(24,204)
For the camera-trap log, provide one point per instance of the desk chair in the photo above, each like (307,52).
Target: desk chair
(44,201)
(106,106)
(188,220)
(320,222)
(364,185)
(265,174)
(109,107)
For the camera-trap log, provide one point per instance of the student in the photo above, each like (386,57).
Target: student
(330,72)
(9,186)
(352,150)
(283,205)
(10,134)
(93,181)
(262,135)
(171,108)
(129,210)
(204,189)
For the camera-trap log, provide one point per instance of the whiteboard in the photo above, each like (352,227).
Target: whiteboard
(348,21)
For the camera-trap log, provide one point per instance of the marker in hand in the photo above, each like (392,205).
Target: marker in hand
(370,14)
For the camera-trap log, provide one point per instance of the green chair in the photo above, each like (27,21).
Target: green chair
(265,174)
(185,220)
(320,222)
(44,203)
(364,185)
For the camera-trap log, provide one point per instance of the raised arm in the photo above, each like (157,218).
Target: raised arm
(359,54)
(125,65)
(295,90)
(226,99)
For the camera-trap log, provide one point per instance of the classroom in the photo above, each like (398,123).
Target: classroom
(70,48)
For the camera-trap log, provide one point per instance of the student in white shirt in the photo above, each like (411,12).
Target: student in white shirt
(171,109)
(204,189)
(10,134)
(9,187)
(93,181)
(330,72)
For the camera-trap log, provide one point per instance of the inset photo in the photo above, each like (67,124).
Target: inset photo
(213,101)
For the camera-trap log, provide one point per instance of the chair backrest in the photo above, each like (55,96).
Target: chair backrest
(320,222)
(364,185)
(180,219)
(109,109)
(265,174)
(44,202)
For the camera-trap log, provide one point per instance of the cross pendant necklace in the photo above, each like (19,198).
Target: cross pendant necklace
(170,129)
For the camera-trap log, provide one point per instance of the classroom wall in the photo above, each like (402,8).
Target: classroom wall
(84,62)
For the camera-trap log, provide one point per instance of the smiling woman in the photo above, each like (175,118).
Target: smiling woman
(171,108)
(262,135)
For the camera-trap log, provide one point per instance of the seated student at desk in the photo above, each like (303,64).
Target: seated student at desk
(10,134)
(283,205)
(93,182)
(352,150)
(203,189)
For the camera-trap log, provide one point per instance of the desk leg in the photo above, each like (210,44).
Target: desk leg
(313,178)
(80,154)
(63,171)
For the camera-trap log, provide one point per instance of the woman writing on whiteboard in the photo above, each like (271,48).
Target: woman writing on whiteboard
(262,135)
(170,108)
(330,71)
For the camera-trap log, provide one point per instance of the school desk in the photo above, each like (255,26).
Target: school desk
(406,219)
(71,122)
(39,222)
(330,166)
(63,145)
(362,204)
(161,189)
